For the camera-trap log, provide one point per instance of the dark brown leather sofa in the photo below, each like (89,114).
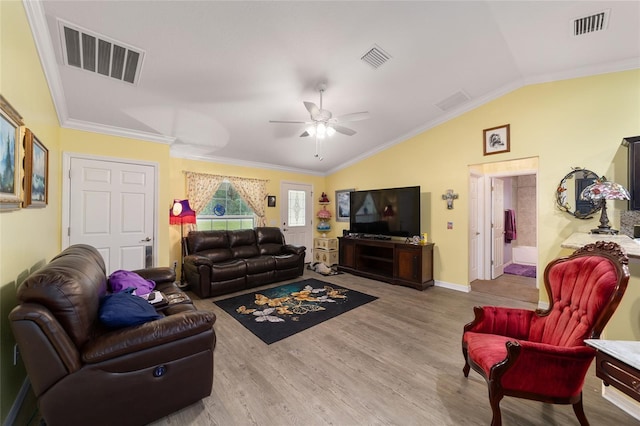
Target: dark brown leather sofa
(85,374)
(219,262)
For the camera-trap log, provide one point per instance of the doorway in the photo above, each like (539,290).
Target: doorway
(296,213)
(110,204)
(503,229)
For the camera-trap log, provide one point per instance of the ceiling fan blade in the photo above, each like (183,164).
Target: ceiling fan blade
(305,134)
(312,108)
(294,122)
(344,130)
(354,116)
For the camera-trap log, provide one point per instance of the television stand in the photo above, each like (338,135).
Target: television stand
(389,261)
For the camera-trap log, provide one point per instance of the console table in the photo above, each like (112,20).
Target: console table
(389,261)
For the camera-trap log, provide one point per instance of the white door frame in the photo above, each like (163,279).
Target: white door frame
(66,189)
(485,212)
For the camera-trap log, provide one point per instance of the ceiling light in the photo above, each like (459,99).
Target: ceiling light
(321,130)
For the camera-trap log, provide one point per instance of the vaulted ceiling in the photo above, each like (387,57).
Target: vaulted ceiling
(209,76)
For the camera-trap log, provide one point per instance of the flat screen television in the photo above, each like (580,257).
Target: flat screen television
(392,212)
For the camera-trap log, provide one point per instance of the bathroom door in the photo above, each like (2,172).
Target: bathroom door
(497,227)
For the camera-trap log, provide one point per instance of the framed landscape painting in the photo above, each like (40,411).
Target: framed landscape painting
(10,167)
(36,171)
(342,205)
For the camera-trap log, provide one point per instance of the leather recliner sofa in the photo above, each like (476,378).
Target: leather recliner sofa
(219,262)
(83,373)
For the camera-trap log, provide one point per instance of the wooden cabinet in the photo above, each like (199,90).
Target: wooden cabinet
(389,261)
(634,171)
(347,252)
(616,373)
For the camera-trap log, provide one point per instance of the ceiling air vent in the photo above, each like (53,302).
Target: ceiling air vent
(99,54)
(591,23)
(375,57)
(453,101)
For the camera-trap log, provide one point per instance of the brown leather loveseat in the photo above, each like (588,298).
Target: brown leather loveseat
(85,374)
(220,262)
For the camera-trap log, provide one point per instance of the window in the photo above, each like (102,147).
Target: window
(296,208)
(226,211)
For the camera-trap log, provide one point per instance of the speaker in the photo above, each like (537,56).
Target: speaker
(636,231)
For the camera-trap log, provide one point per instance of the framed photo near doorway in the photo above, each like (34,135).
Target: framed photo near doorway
(11,130)
(36,171)
(496,140)
(342,205)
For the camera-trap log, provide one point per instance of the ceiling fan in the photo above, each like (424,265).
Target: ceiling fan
(323,123)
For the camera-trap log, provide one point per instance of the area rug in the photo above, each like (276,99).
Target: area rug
(276,313)
(522,270)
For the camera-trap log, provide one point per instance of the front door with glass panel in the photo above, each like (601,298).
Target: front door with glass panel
(296,215)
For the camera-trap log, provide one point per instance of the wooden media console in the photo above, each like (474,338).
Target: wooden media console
(389,261)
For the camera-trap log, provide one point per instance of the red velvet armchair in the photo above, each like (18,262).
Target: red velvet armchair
(541,355)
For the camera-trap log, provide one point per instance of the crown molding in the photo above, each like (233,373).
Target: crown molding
(40,30)
(244,163)
(116,131)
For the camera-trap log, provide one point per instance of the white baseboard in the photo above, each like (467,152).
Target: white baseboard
(17,404)
(621,401)
(451,286)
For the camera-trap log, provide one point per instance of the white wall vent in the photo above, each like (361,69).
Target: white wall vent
(99,54)
(453,101)
(592,23)
(375,57)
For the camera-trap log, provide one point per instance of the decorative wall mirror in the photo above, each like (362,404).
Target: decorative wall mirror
(568,193)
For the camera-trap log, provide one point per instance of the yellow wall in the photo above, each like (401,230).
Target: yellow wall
(578,122)
(274,177)
(28,237)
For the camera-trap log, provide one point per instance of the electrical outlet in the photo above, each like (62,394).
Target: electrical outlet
(16,353)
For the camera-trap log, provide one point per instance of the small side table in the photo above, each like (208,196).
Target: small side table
(618,364)
(325,250)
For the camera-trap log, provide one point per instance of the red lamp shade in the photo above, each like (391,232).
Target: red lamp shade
(181,213)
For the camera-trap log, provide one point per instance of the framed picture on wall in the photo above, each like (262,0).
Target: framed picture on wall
(496,140)
(10,165)
(36,171)
(342,205)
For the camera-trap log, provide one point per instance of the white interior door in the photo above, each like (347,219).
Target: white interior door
(474,228)
(112,207)
(497,227)
(296,213)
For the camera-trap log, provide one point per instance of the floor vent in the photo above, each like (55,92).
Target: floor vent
(375,57)
(591,23)
(99,54)
(453,101)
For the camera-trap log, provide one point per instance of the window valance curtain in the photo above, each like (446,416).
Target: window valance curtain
(202,186)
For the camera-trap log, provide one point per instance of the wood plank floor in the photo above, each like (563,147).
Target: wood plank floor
(394,361)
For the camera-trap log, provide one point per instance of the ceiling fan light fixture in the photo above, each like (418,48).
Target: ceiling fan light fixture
(321,130)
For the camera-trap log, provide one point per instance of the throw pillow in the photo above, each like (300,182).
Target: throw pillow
(124,309)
